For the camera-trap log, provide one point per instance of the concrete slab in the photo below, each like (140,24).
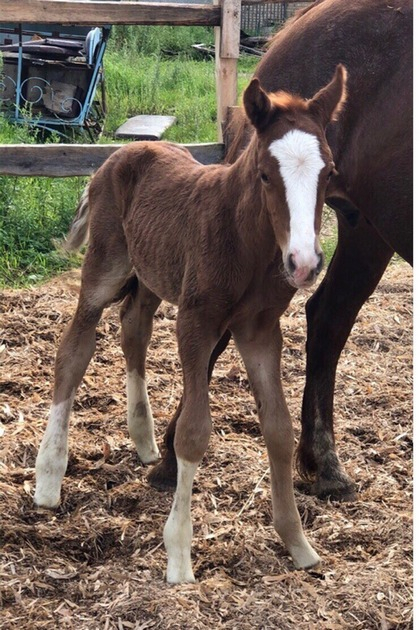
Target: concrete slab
(145,127)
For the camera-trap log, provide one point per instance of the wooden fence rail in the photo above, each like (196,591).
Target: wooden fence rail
(85,12)
(68,160)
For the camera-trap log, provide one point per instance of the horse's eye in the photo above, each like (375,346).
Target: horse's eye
(264,178)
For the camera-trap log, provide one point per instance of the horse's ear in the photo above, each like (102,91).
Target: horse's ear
(257,104)
(327,104)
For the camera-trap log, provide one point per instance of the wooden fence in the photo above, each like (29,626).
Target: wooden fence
(65,160)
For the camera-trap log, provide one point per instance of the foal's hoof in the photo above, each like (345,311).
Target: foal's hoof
(46,500)
(163,476)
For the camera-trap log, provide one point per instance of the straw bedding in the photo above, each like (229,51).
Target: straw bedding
(99,562)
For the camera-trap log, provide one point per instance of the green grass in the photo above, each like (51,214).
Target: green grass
(152,85)
(34,211)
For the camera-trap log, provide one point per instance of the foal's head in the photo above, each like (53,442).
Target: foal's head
(294,166)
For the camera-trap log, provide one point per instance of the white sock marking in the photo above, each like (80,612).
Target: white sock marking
(299,157)
(140,419)
(51,462)
(178,529)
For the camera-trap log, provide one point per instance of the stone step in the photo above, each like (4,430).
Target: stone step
(145,127)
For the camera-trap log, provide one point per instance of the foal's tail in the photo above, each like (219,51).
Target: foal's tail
(79,230)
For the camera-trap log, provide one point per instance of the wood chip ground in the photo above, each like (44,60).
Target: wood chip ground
(98,562)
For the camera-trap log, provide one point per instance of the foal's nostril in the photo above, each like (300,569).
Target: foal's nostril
(291,263)
(320,263)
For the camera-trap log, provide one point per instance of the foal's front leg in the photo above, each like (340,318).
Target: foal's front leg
(192,435)
(260,348)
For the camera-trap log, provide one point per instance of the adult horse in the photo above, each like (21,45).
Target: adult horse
(371,192)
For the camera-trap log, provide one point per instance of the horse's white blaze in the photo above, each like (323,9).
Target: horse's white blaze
(140,418)
(177,533)
(299,157)
(51,462)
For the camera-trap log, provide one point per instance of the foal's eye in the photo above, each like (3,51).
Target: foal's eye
(264,178)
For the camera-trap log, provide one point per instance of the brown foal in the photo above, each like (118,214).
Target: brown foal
(229,245)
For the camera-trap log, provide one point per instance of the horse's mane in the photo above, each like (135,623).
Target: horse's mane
(237,134)
(285,100)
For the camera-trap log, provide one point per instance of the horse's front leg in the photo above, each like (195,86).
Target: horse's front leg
(260,347)
(164,474)
(357,266)
(192,435)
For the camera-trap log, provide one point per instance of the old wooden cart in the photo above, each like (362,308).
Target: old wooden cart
(51,76)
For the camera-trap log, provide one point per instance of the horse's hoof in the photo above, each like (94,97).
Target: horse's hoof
(163,477)
(337,489)
(46,501)
(149,456)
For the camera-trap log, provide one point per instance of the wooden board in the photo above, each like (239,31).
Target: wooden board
(231,29)
(68,160)
(84,12)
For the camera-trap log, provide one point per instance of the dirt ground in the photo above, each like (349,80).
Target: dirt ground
(98,562)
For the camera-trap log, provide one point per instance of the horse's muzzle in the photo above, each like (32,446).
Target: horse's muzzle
(303,276)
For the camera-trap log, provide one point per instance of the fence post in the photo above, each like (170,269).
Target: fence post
(226,39)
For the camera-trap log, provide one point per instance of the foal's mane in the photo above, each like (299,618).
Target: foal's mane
(239,130)
(287,101)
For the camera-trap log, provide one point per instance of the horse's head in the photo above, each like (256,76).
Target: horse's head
(295,163)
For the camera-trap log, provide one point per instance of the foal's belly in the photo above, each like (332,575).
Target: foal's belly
(164,279)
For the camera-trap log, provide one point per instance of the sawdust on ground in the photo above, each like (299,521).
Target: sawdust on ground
(99,562)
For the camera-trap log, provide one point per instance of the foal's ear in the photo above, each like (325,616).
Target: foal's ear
(257,104)
(327,104)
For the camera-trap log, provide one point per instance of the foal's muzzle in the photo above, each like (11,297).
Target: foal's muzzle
(303,274)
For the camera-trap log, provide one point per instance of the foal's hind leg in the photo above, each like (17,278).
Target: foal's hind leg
(99,286)
(260,348)
(136,329)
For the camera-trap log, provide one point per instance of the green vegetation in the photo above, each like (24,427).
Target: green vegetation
(155,70)
(150,70)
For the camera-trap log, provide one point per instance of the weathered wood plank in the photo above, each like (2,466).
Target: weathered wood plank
(85,12)
(68,160)
(231,29)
